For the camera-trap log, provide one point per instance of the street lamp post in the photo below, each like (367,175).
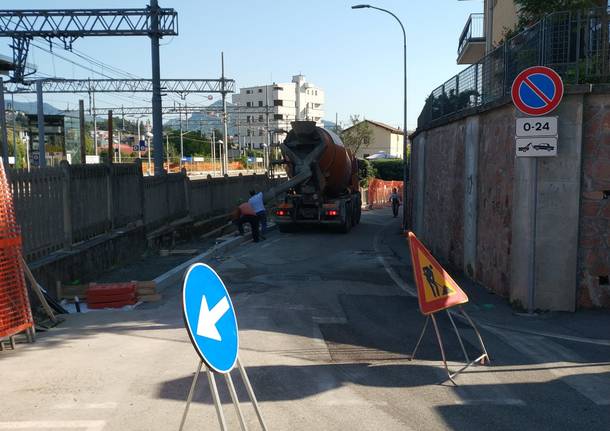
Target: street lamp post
(406,160)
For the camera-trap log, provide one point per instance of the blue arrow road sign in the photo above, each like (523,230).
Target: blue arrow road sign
(209,318)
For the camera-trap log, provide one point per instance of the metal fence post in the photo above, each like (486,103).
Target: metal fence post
(110,212)
(168,209)
(187,191)
(479,96)
(578,41)
(138,163)
(542,42)
(66,203)
(505,67)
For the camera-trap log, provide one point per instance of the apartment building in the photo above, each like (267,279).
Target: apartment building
(264,113)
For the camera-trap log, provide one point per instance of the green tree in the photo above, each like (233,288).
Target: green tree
(533,10)
(359,136)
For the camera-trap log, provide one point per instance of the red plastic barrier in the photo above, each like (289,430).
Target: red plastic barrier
(111,295)
(379,192)
(15,312)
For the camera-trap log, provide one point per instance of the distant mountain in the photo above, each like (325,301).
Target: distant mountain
(329,125)
(205,120)
(31,108)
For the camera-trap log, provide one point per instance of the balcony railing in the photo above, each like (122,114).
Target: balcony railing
(473,31)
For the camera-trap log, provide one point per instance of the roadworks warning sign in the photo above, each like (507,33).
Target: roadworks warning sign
(436,290)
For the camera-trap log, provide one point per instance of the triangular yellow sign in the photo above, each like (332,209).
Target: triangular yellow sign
(436,290)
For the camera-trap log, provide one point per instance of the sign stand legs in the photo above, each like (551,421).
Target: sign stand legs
(235,399)
(485,356)
(190,396)
(420,338)
(216,397)
(482,359)
(440,344)
(457,333)
(250,391)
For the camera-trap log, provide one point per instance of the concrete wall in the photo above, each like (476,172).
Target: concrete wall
(512,224)
(443,179)
(594,241)
(208,203)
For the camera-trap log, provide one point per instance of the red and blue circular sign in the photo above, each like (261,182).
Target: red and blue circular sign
(537,90)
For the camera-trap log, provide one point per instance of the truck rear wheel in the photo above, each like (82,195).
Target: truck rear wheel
(347,222)
(286,228)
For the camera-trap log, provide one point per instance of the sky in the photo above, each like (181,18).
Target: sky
(354,55)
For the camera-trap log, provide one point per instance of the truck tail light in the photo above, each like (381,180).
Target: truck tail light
(332,213)
(281,213)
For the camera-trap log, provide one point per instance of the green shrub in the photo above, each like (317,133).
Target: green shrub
(366,171)
(388,169)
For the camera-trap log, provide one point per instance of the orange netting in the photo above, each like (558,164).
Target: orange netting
(15,313)
(379,192)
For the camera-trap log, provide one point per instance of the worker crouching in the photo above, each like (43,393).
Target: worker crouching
(244,213)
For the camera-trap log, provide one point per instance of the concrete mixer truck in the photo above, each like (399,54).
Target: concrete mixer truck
(323,186)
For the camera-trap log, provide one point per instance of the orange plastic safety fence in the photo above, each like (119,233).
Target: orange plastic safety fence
(379,192)
(15,313)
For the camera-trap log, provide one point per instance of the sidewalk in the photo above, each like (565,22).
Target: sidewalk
(487,308)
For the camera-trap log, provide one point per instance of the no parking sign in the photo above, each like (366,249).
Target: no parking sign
(537,90)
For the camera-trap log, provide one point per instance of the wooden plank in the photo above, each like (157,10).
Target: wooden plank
(150,298)
(38,291)
(146,284)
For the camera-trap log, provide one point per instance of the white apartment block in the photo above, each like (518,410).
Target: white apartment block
(264,113)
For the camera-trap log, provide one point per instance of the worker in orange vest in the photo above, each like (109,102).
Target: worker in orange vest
(244,213)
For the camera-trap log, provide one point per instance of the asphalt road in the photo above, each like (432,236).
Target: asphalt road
(327,326)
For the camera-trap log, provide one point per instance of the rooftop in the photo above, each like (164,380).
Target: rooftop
(382,125)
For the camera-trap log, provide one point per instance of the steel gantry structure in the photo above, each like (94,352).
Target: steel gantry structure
(147,110)
(181,87)
(67,25)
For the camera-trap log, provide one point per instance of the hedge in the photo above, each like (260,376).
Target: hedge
(388,169)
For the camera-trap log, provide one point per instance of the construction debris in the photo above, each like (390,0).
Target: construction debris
(109,295)
(175,252)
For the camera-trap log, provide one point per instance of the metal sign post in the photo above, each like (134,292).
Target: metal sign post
(536,91)
(211,324)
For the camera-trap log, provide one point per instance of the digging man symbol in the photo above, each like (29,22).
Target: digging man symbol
(434,286)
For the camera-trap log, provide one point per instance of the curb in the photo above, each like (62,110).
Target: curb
(175,274)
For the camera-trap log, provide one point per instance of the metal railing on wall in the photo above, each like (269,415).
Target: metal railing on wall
(574,43)
(59,207)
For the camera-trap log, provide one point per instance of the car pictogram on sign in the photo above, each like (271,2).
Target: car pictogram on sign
(545,146)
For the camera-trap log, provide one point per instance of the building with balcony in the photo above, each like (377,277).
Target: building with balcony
(264,113)
(484,31)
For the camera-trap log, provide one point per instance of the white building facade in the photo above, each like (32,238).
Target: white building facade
(264,113)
